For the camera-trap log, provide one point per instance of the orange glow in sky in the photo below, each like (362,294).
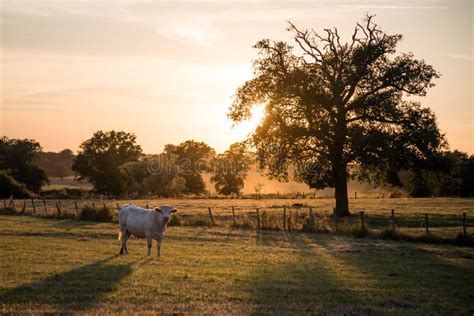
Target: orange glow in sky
(167,70)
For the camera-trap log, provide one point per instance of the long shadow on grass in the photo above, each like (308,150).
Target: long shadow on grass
(328,274)
(79,289)
(406,276)
(299,281)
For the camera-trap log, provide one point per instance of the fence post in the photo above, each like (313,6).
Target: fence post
(76,207)
(393,219)
(334,215)
(355,195)
(4,203)
(23,209)
(233,216)
(284,218)
(33,205)
(310,218)
(147,206)
(104,205)
(118,207)
(93,204)
(427,224)
(258,219)
(45,209)
(210,216)
(464,230)
(362,220)
(58,207)
(12,204)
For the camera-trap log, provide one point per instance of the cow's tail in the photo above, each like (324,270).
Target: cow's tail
(119,235)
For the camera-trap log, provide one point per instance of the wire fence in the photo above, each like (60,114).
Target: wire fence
(298,218)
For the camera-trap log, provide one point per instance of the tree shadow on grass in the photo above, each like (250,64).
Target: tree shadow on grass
(405,276)
(327,274)
(75,290)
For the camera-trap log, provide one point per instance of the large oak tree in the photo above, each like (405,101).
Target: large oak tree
(333,108)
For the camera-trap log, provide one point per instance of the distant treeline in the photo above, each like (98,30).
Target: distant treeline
(114,163)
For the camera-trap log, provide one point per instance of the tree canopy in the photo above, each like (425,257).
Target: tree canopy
(331,105)
(230,170)
(16,157)
(101,156)
(193,159)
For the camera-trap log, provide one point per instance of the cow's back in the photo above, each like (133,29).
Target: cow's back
(135,220)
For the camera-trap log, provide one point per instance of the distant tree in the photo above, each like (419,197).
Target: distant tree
(337,105)
(10,187)
(154,175)
(193,159)
(101,156)
(230,170)
(449,173)
(58,165)
(16,156)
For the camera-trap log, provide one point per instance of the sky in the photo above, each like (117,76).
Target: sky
(167,70)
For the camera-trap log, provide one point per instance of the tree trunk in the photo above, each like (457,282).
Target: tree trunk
(340,184)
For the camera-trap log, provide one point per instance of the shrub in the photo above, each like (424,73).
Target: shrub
(101,214)
(7,211)
(175,220)
(197,221)
(10,187)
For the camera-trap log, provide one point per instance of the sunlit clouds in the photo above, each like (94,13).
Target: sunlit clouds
(167,70)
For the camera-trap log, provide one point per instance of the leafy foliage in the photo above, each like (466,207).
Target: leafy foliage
(193,159)
(100,157)
(230,170)
(10,187)
(338,104)
(16,156)
(155,175)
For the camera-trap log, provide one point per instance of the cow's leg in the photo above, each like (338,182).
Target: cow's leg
(148,244)
(124,239)
(158,247)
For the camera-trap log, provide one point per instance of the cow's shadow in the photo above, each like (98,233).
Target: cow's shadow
(78,289)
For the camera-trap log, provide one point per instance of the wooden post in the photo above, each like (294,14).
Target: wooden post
(147,206)
(284,218)
(104,205)
(4,203)
(355,195)
(93,204)
(393,219)
(334,215)
(33,205)
(233,216)
(45,209)
(464,230)
(118,207)
(12,203)
(76,207)
(362,220)
(23,209)
(258,219)
(58,207)
(310,218)
(427,224)
(210,216)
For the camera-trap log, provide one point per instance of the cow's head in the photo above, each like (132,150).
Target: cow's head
(166,212)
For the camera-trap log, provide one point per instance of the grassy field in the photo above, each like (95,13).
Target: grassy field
(52,265)
(445,214)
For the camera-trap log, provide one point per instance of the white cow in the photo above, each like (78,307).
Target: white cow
(143,223)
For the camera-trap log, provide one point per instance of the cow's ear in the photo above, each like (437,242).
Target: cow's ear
(173,210)
(157,209)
